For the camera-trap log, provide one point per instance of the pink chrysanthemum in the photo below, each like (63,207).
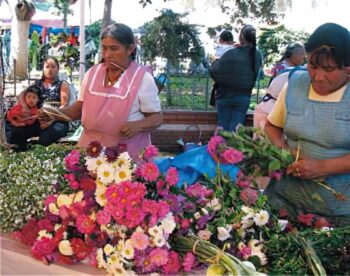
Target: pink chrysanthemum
(72,160)
(173,265)
(189,261)
(149,171)
(232,156)
(140,240)
(150,152)
(85,225)
(112,194)
(103,217)
(159,256)
(172,176)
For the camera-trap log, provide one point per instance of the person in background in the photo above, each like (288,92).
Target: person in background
(311,118)
(26,110)
(118,102)
(293,55)
(236,72)
(52,91)
(224,44)
(266,104)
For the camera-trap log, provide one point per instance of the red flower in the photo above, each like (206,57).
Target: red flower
(322,222)
(306,219)
(87,184)
(80,249)
(28,234)
(43,248)
(93,149)
(283,213)
(61,259)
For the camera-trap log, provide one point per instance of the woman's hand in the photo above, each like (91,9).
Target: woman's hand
(306,168)
(45,120)
(129,129)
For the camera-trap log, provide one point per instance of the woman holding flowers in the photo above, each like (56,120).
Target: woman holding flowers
(311,117)
(118,101)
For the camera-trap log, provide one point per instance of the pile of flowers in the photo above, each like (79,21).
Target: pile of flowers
(122,217)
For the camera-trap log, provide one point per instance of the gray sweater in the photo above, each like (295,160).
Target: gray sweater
(234,72)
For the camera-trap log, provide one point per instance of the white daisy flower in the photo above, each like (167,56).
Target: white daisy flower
(155,231)
(124,160)
(122,174)
(261,218)
(108,249)
(65,248)
(106,173)
(158,241)
(115,261)
(93,164)
(128,251)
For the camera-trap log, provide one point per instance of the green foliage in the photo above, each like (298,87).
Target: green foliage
(69,58)
(273,41)
(94,31)
(167,36)
(26,179)
(263,10)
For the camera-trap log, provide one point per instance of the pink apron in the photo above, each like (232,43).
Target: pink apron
(106,109)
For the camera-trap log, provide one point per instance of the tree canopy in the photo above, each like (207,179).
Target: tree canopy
(167,36)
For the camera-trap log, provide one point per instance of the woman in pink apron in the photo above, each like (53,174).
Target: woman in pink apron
(118,101)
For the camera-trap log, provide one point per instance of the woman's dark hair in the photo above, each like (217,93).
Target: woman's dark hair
(248,33)
(46,59)
(121,33)
(329,40)
(290,50)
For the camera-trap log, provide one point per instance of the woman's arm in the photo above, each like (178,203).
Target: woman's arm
(74,110)
(151,121)
(275,135)
(65,93)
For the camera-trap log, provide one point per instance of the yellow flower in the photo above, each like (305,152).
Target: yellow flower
(53,209)
(215,270)
(78,197)
(65,248)
(64,200)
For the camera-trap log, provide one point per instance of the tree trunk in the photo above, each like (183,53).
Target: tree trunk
(106,20)
(23,12)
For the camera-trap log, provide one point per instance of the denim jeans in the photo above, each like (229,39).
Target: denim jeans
(232,111)
(20,135)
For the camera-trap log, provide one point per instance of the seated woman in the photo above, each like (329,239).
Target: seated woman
(312,117)
(52,90)
(293,55)
(118,101)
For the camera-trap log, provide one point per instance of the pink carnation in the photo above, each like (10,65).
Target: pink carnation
(242,183)
(140,240)
(150,152)
(50,199)
(45,224)
(173,265)
(70,177)
(103,217)
(85,225)
(72,160)
(74,185)
(213,144)
(159,256)
(245,251)
(189,261)
(149,171)
(232,156)
(249,196)
(172,176)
